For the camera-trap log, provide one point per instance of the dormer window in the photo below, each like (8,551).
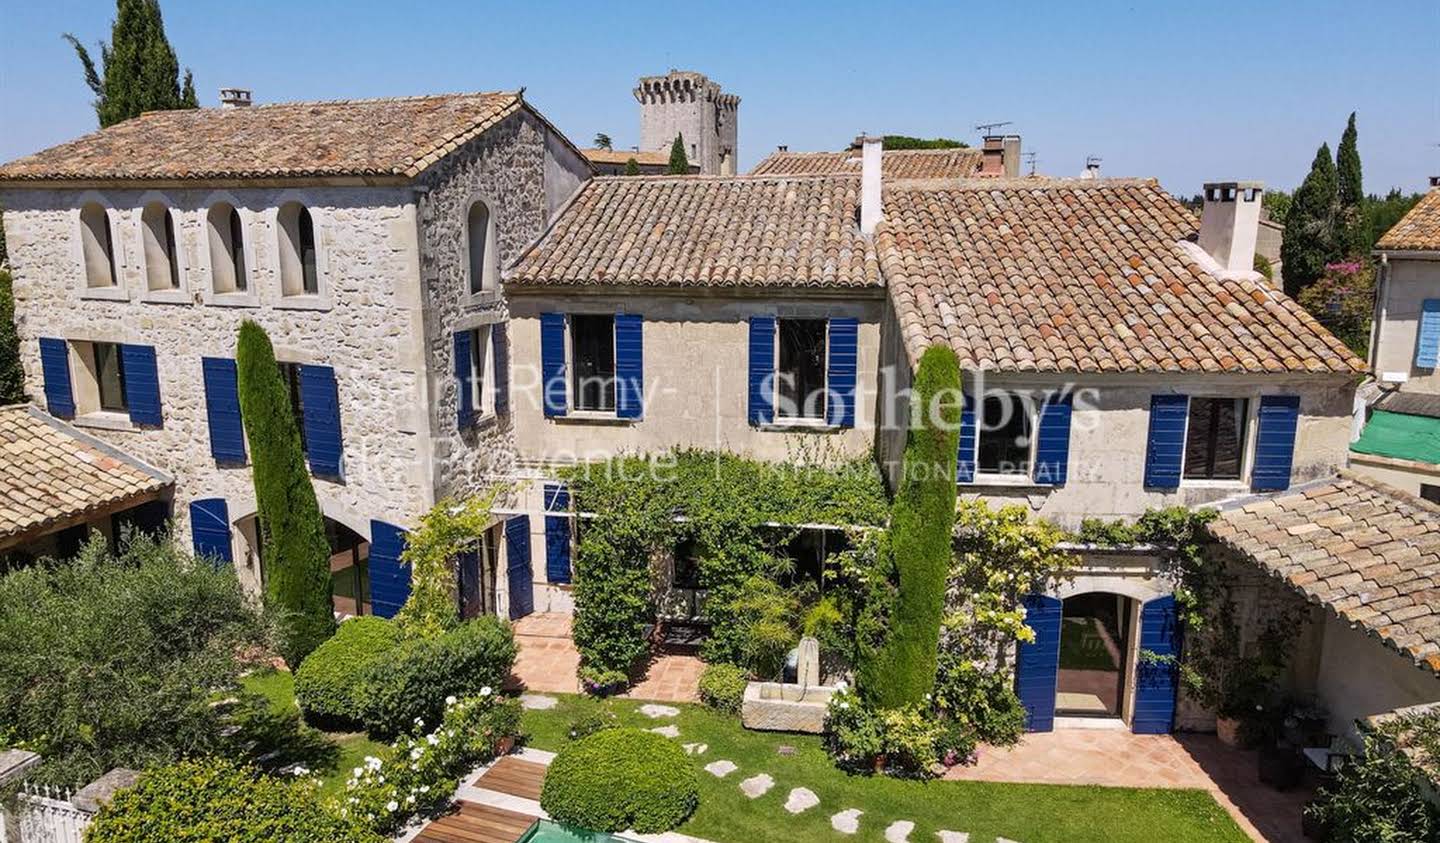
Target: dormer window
(97,246)
(298,273)
(157,232)
(480,234)
(227,249)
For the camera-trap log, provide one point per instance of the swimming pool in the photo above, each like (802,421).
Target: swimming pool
(545,831)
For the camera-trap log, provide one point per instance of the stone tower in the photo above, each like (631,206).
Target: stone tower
(687,103)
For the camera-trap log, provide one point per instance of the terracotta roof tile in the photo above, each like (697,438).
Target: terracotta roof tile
(397,137)
(1389,589)
(894,163)
(622,156)
(50,472)
(1419,230)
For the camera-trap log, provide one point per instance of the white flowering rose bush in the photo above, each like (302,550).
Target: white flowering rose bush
(424,766)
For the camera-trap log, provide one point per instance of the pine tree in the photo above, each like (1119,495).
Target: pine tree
(295,551)
(632,167)
(602,141)
(1310,226)
(679,164)
(12,375)
(138,70)
(1351,231)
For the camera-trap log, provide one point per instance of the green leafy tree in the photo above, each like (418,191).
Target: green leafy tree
(679,164)
(1381,215)
(1310,226)
(920,523)
(603,141)
(296,552)
(138,71)
(632,167)
(907,142)
(1276,204)
(1352,236)
(12,375)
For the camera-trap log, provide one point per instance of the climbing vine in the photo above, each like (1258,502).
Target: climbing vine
(448,529)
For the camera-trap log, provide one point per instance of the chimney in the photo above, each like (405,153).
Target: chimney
(1435,181)
(1230,223)
(1010,155)
(782,148)
(992,156)
(870,195)
(234,97)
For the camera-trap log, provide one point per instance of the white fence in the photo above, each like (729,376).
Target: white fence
(46,815)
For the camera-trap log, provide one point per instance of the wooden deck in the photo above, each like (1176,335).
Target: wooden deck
(513,777)
(473,823)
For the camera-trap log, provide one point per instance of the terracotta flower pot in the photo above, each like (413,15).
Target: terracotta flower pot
(505,745)
(880,762)
(1227,729)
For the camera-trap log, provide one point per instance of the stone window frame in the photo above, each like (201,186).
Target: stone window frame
(487,295)
(112,292)
(80,348)
(319,219)
(1251,396)
(250,297)
(164,295)
(483,324)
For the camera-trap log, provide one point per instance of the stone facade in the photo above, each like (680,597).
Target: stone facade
(1406,280)
(687,103)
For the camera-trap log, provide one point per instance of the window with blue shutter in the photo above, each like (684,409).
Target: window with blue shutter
(321,403)
(840,371)
(557,533)
(1052,451)
(1165,443)
(464,372)
(1037,663)
(552,362)
(142,384)
(1155,678)
(389,577)
(762,370)
(210,529)
(500,349)
(1427,348)
(519,577)
(222,410)
(55,368)
(629,366)
(965,458)
(1275,442)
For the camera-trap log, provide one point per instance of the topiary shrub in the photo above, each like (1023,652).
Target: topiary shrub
(215,799)
(328,683)
(621,779)
(722,687)
(410,682)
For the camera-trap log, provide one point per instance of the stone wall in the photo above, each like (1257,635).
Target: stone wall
(1407,283)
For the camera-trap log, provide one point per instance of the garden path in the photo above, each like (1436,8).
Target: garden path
(547,662)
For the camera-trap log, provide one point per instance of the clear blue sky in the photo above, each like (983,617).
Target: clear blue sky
(1181,91)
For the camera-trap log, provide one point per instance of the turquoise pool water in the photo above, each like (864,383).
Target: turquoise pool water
(545,831)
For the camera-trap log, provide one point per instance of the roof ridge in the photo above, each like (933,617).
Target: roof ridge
(979,182)
(712,178)
(333,102)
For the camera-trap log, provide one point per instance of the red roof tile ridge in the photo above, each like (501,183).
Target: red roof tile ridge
(989,183)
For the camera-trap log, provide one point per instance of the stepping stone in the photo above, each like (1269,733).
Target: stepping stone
(801,799)
(847,821)
(667,731)
(899,831)
(655,712)
(538,702)
(757,786)
(720,769)
(953,836)
(695,748)
(1003,840)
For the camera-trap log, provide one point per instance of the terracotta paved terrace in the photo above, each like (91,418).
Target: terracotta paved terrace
(547,663)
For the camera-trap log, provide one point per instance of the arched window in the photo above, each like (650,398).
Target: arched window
(157,231)
(298,275)
(480,233)
(97,247)
(227,249)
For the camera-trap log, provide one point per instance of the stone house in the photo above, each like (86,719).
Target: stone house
(366,237)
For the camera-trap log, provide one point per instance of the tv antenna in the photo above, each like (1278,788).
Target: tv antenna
(989,128)
(1032,158)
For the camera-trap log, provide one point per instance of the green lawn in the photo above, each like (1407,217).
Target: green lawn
(1025,813)
(278,687)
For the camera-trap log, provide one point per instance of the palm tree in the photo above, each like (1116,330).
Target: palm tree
(602,141)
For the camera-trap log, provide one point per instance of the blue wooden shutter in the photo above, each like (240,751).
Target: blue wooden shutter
(142,384)
(500,352)
(1165,444)
(1427,347)
(1155,677)
(552,362)
(322,420)
(222,410)
(1052,451)
(629,366)
(464,373)
(210,529)
(1037,664)
(1275,442)
(518,575)
(55,367)
(965,457)
(762,369)
(840,372)
(389,577)
(557,533)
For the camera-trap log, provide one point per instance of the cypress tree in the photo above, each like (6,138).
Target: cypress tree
(1353,236)
(12,375)
(632,167)
(1310,226)
(295,551)
(679,164)
(922,519)
(139,71)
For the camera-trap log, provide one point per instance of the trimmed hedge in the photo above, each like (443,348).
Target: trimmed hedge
(620,779)
(410,682)
(722,687)
(328,683)
(214,799)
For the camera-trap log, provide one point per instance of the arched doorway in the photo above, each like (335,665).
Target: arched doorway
(1096,635)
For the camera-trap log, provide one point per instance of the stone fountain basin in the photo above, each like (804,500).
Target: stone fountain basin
(785,707)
